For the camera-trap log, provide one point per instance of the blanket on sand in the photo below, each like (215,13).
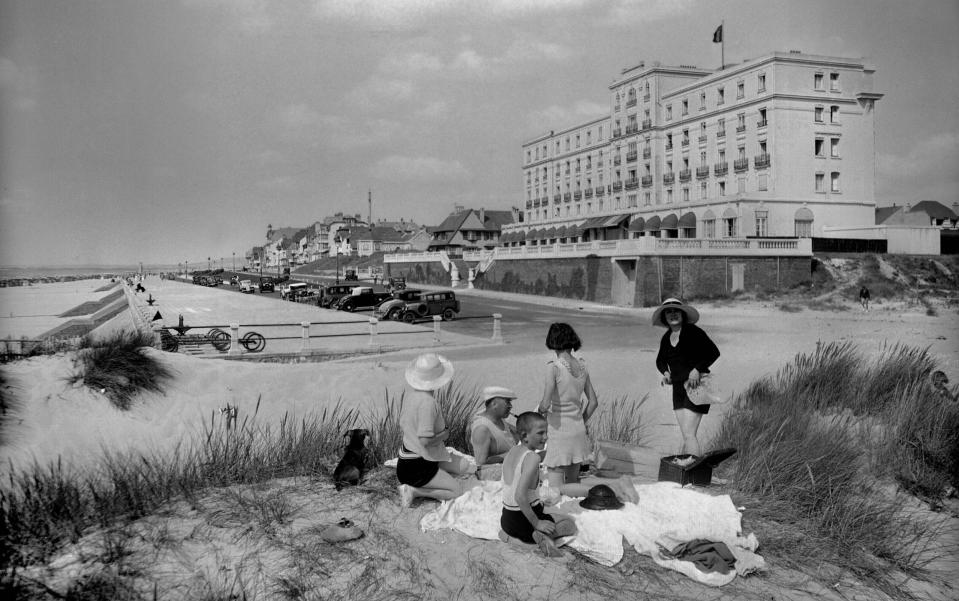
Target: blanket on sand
(666,515)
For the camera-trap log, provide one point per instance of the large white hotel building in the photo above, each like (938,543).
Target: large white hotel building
(779,146)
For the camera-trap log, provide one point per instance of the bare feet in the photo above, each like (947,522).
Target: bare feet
(546,545)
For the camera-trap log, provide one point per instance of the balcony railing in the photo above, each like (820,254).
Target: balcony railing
(588,193)
(557,197)
(617,133)
(617,107)
(741,164)
(578,195)
(669,178)
(599,164)
(632,156)
(762,123)
(647,153)
(721,133)
(702,172)
(577,169)
(632,128)
(545,200)
(647,123)
(669,147)
(567,197)
(617,186)
(617,160)
(647,181)
(529,204)
(685,175)
(600,190)
(761,160)
(702,138)
(632,183)
(685,142)
(645,97)
(721,168)
(740,129)
(631,103)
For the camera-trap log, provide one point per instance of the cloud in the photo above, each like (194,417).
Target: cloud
(526,49)
(299,116)
(300,122)
(411,13)
(434,111)
(411,64)
(249,16)
(18,85)
(629,13)
(423,169)
(557,115)
(931,165)
(379,91)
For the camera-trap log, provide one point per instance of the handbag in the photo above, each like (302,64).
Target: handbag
(707,393)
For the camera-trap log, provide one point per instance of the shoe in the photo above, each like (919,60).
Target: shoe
(406,495)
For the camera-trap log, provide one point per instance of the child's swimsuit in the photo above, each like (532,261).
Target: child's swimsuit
(512,520)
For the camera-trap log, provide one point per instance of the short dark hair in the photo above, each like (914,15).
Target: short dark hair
(562,337)
(526,421)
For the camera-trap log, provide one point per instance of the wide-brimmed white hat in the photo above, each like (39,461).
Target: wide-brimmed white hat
(496,392)
(429,371)
(692,315)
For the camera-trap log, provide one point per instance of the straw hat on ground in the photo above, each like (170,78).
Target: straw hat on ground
(692,315)
(429,372)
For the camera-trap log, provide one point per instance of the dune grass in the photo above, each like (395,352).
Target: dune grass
(817,440)
(120,366)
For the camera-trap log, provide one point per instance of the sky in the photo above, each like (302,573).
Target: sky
(162,131)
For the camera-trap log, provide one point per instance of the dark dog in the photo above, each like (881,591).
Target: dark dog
(356,460)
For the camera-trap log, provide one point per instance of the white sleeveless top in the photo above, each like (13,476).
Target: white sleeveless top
(509,490)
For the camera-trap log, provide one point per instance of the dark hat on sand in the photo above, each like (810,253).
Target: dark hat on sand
(601,497)
(692,315)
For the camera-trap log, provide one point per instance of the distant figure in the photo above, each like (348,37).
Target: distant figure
(864,298)
(940,382)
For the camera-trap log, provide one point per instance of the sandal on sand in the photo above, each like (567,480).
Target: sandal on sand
(546,545)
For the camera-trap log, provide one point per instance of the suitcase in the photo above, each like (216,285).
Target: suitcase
(699,472)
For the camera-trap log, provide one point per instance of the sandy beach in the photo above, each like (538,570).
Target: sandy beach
(55,421)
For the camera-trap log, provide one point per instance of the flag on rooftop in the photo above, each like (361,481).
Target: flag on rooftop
(718,35)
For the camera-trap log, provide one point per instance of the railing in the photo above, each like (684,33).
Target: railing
(632,183)
(600,190)
(702,138)
(617,107)
(567,197)
(617,186)
(632,128)
(721,133)
(617,160)
(685,175)
(632,156)
(647,181)
(740,129)
(529,204)
(588,193)
(645,97)
(669,178)
(577,195)
(617,133)
(685,142)
(669,147)
(721,168)
(661,246)
(631,103)
(761,160)
(599,164)
(702,172)
(647,123)
(762,123)
(740,165)
(557,197)
(647,153)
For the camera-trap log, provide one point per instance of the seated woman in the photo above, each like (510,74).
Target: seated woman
(490,435)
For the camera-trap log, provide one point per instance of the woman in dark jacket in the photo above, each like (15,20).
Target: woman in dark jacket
(685,354)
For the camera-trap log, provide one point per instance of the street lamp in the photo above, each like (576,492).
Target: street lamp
(278,249)
(209,266)
(186,272)
(234,260)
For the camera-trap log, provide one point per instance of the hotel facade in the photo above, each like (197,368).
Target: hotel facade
(779,146)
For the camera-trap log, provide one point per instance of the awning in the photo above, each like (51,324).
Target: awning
(574,231)
(594,222)
(519,236)
(670,222)
(561,231)
(506,238)
(549,233)
(688,220)
(615,220)
(535,235)
(637,224)
(652,224)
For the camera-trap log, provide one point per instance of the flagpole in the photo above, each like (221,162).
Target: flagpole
(722,45)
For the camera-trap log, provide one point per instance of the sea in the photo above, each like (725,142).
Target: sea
(12,272)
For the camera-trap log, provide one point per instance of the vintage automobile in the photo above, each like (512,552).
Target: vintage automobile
(267,284)
(432,303)
(351,276)
(331,294)
(396,284)
(392,308)
(292,290)
(246,287)
(361,297)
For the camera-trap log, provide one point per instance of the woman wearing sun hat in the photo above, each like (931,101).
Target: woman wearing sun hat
(425,468)
(685,354)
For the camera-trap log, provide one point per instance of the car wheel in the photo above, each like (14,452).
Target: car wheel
(394,314)
(348,307)
(409,317)
(449,315)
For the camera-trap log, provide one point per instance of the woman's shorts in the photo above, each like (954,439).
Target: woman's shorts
(416,472)
(515,524)
(681,400)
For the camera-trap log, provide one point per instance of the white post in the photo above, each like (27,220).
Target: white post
(454,275)
(157,337)
(306,337)
(470,277)
(234,339)
(497,328)
(373,322)
(436,327)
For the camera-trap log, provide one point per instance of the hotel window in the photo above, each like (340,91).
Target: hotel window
(834,114)
(834,82)
(557,146)
(632,201)
(762,117)
(669,195)
(669,141)
(834,181)
(685,107)
(819,147)
(721,188)
(579,210)
(721,128)
(647,199)
(669,112)
(599,133)
(589,137)
(567,142)
(741,122)
(702,131)
(729,227)
(709,228)
(820,182)
(722,155)
(702,101)
(834,147)
(763,182)
(566,212)
(762,82)
(528,156)
(589,207)
(702,158)
(762,227)
(720,95)
(577,140)
(803,229)
(817,81)
(742,152)
(741,184)
(818,114)
(686,137)
(600,206)
(703,192)
(685,194)
(740,90)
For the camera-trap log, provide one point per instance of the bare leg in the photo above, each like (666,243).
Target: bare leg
(565,526)
(442,487)
(688,425)
(556,476)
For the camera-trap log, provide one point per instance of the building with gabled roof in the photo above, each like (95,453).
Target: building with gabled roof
(470,229)
(925,213)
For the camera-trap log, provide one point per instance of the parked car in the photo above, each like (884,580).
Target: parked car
(392,308)
(432,303)
(267,284)
(361,297)
(333,293)
(351,276)
(292,290)
(396,283)
(246,287)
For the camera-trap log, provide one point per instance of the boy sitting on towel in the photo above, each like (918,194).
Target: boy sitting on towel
(523,515)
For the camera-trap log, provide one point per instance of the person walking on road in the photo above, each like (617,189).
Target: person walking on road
(864,298)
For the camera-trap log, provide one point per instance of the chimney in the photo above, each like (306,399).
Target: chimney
(906,208)
(482,215)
